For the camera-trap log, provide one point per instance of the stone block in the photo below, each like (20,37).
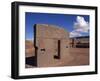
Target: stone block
(52,45)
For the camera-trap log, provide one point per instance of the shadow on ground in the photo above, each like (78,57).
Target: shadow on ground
(31,61)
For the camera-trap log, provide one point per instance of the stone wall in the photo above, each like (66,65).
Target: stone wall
(52,45)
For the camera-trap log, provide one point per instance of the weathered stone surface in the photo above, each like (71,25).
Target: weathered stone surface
(47,37)
(51,31)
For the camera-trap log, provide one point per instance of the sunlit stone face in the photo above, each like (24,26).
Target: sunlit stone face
(52,44)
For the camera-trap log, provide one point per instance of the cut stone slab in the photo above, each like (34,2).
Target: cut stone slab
(52,44)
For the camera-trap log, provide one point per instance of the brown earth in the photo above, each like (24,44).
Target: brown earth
(80,55)
(29,48)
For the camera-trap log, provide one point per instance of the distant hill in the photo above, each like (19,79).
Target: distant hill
(80,37)
(29,48)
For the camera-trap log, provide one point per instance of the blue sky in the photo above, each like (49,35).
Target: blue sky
(65,21)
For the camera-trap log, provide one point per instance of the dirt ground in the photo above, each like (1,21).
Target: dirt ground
(80,57)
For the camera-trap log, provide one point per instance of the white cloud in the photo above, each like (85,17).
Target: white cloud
(80,26)
(75,34)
